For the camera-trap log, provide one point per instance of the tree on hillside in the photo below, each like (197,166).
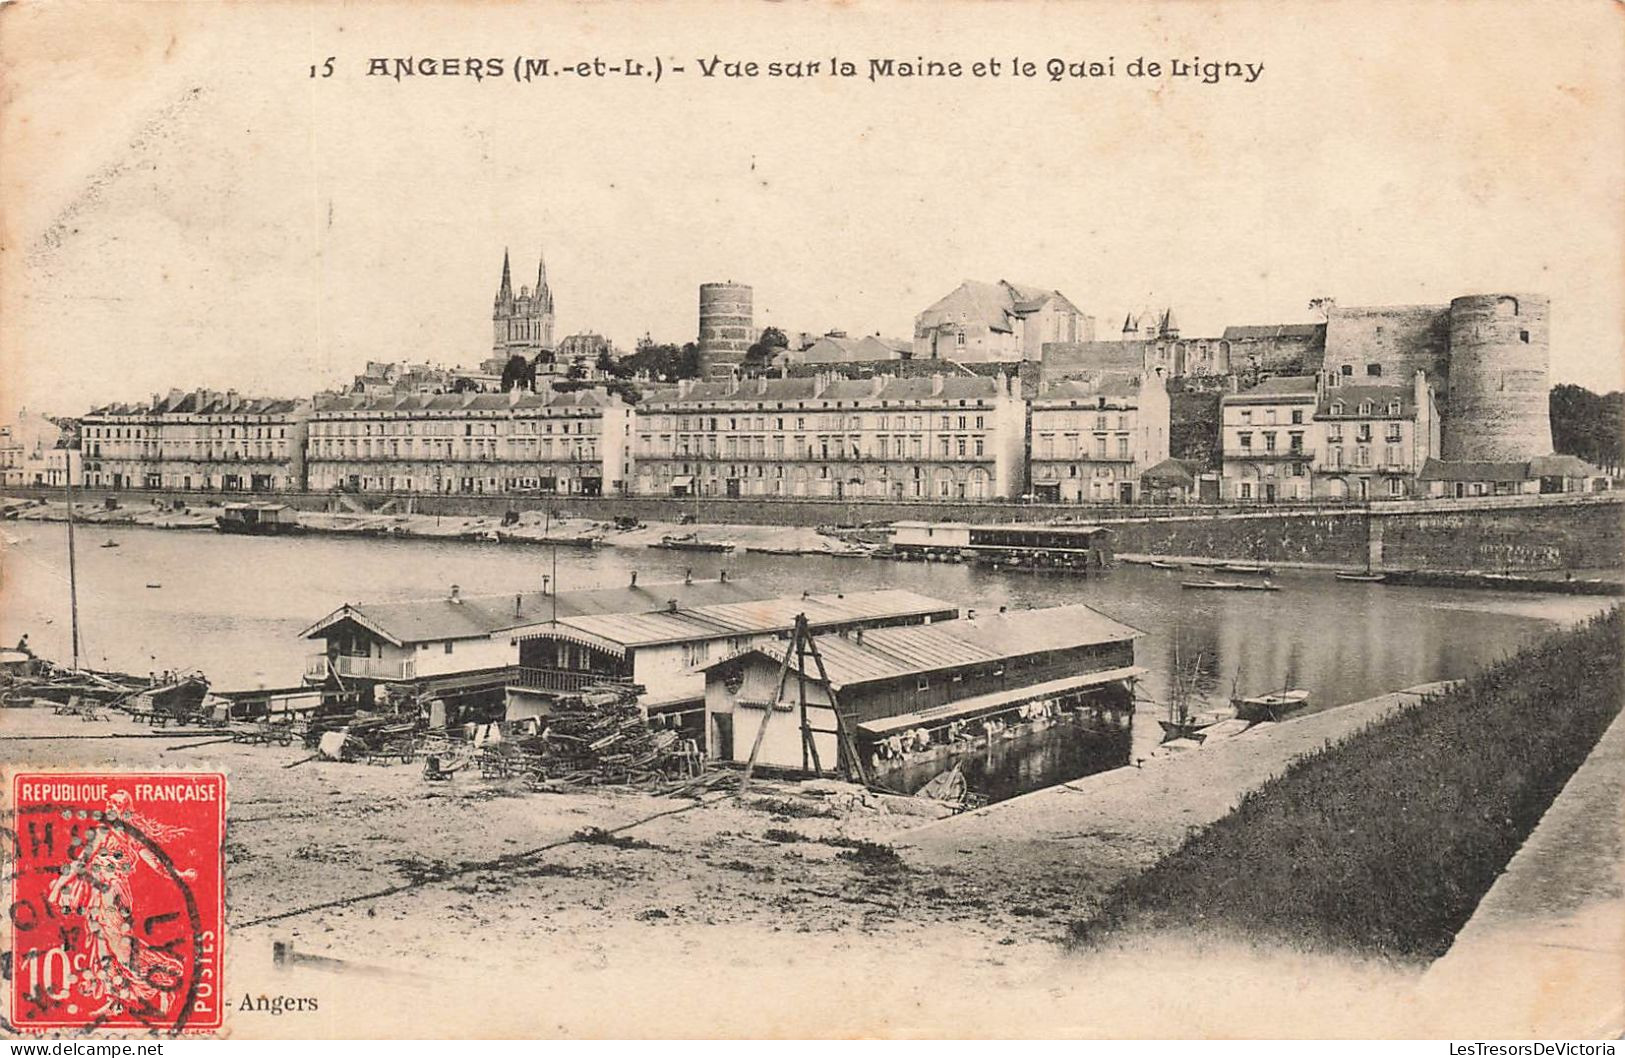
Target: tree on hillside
(663,361)
(518,372)
(761,353)
(1588,424)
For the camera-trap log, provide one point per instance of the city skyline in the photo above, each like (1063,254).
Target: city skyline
(248,229)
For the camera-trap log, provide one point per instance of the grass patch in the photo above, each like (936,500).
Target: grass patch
(1386,842)
(783,836)
(872,857)
(600,836)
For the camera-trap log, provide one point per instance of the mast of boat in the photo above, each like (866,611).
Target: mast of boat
(73,571)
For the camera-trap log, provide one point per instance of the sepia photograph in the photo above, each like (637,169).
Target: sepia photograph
(847,520)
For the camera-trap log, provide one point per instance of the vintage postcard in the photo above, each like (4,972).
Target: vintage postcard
(837,520)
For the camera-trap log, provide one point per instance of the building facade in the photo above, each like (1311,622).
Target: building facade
(30,453)
(955,438)
(204,440)
(572,444)
(1375,440)
(999,322)
(1269,440)
(1093,438)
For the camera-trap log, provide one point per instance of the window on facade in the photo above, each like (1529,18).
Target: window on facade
(1374,370)
(1244,439)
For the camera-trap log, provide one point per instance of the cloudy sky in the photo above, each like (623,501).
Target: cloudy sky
(185,205)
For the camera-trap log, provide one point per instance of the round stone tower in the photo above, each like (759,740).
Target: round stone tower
(726,327)
(1497,406)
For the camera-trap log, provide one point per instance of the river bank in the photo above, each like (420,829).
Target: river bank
(527,529)
(539,529)
(415,891)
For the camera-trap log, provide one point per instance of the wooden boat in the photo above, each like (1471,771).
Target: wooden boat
(1182,721)
(1158,563)
(258,519)
(690,542)
(1227,585)
(1367,577)
(1245,567)
(508,537)
(1272,706)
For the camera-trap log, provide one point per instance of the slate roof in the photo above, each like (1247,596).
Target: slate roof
(1275,330)
(993,304)
(1098,384)
(783,390)
(1380,397)
(1473,470)
(1280,386)
(417,402)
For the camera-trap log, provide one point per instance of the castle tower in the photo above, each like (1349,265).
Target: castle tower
(1498,409)
(727,328)
(522,324)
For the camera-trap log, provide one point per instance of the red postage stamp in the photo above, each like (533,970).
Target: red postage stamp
(117,901)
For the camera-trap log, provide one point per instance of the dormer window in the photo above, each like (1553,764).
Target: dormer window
(1393,407)
(1337,407)
(1365,407)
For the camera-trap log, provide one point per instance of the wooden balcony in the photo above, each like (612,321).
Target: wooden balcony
(566,680)
(365,668)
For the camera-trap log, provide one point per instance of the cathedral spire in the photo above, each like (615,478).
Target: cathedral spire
(544,296)
(505,292)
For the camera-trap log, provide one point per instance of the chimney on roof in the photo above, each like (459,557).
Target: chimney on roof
(634,583)
(518,604)
(671,605)
(544,583)
(877,383)
(936,384)
(456,594)
(722,576)
(858,637)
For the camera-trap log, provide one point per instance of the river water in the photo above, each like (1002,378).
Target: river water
(233,607)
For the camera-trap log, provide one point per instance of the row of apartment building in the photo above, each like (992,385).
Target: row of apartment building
(1097,439)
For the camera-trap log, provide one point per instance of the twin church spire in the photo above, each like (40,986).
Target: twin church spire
(522,324)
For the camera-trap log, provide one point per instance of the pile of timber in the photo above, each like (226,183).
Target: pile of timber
(598,737)
(41,680)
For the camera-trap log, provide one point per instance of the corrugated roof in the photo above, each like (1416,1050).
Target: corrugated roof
(748,618)
(477,616)
(886,653)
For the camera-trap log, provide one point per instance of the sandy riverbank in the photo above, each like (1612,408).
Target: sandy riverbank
(478,887)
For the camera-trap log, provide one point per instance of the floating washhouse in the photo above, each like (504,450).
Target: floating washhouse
(455,646)
(1077,547)
(917,695)
(666,652)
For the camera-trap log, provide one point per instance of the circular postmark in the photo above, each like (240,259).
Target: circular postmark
(107,931)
